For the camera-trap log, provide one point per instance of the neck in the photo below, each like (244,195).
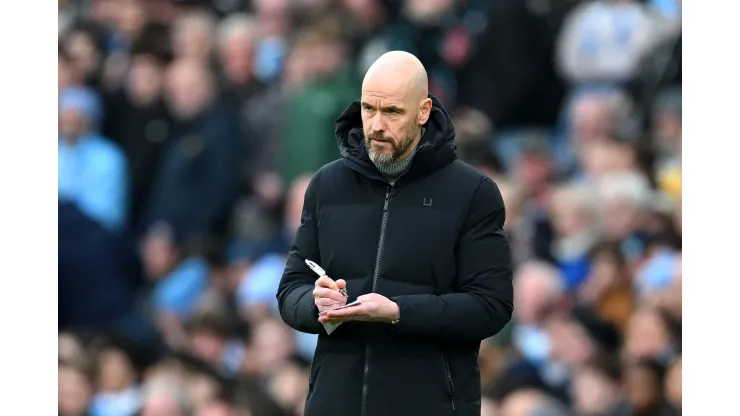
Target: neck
(393,170)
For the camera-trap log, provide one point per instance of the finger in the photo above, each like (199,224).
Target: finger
(341,284)
(348,312)
(326,302)
(326,281)
(335,320)
(324,319)
(322,292)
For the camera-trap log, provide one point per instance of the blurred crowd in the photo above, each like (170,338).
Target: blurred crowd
(188,131)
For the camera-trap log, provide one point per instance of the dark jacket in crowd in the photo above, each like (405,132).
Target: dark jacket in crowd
(144,134)
(434,244)
(201,175)
(96,273)
(511,76)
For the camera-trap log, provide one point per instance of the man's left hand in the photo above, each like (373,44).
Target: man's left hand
(374,308)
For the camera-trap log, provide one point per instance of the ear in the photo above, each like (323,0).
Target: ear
(425,110)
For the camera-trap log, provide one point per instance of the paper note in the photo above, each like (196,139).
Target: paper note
(331,327)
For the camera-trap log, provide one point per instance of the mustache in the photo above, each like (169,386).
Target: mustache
(378,138)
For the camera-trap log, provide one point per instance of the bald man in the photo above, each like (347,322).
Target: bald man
(413,234)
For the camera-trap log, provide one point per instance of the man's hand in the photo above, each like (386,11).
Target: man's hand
(326,293)
(374,308)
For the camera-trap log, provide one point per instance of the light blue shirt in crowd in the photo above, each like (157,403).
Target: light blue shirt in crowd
(668,8)
(658,273)
(125,403)
(93,175)
(178,292)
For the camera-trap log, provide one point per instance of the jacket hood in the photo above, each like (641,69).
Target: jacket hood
(436,148)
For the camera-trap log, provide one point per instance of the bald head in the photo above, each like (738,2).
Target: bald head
(401,70)
(395,105)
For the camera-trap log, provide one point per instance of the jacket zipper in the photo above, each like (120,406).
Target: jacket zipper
(310,375)
(376,273)
(450,384)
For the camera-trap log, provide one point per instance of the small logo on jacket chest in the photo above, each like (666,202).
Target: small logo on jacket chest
(427,202)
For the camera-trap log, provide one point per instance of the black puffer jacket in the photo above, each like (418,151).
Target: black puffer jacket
(434,244)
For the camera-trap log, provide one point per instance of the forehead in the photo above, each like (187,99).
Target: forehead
(386,90)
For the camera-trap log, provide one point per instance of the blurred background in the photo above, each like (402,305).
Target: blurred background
(188,131)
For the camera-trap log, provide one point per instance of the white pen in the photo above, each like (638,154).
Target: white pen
(321,273)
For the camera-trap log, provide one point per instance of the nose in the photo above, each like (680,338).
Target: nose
(377,125)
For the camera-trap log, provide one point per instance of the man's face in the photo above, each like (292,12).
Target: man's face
(161,405)
(646,336)
(189,89)
(534,171)
(72,123)
(193,39)
(159,256)
(593,392)
(621,218)
(601,159)
(207,346)
(591,120)
(570,342)
(74,391)
(83,52)
(129,16)
(329,58)
(237,53)
(668,129)
(145,79)
(289,386)
(271,345)
(567,216)
(531,297)
(390,122)
(202,390)
(115,371)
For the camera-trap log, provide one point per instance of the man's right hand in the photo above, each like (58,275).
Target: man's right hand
(326,293)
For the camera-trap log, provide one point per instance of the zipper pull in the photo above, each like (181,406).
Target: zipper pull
(387,198)
(453,402)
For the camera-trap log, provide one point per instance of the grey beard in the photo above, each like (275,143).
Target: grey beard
(379,158)
(392,157)
(389,166)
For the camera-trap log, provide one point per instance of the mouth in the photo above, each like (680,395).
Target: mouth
(380,141)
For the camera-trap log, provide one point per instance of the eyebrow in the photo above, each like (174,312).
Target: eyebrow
(386,109)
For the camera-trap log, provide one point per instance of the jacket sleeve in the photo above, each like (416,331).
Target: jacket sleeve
(295,297)
(482,302)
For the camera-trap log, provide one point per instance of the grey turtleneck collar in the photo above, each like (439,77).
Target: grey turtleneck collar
(392,171)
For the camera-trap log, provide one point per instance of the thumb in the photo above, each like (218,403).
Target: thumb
(341,284)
